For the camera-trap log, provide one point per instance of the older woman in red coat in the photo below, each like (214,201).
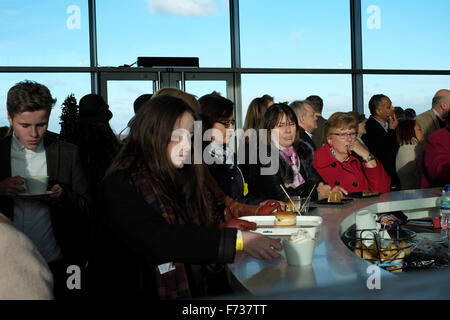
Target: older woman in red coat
(344,162)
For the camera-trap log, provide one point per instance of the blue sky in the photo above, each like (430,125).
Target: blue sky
(397,34)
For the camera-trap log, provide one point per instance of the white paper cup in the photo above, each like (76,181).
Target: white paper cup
(36,184)
(366,220)
(299,253)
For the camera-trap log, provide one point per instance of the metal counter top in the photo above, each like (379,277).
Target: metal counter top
(333,263)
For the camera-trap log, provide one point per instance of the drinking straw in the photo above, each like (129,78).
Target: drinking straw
(293,204)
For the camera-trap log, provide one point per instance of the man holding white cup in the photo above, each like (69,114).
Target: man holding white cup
(57,223)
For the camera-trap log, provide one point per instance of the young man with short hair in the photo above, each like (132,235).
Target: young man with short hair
(56,223)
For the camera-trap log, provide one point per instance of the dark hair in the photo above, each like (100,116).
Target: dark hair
(405,132)
(29,96)
(410,113)
(146,144)
(213,108)
(139,102)
(375,103)
(316,103)
(255,112)
(358,116)
(274,114)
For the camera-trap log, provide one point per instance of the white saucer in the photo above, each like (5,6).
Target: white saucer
(28,196)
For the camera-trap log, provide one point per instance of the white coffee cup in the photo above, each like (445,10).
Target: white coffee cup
(299,253)
(366,220)
(36,184)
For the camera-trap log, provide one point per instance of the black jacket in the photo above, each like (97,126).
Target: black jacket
(383,145)
(268,186)
(69,214)
(131,238)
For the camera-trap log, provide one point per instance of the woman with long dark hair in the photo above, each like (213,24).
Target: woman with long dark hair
(408,162)
(152,234)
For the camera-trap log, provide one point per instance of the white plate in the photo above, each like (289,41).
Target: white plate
(266,225)
(28,196)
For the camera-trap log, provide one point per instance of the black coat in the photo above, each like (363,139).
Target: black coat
(268,186)
(131,238)
(69,214)
(383,145)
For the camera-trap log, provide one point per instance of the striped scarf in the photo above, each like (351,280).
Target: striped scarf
(173,284)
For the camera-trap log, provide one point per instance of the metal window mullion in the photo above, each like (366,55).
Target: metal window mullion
(235,86)
(357,58)
(93,45)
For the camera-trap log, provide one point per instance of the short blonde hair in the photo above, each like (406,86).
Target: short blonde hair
(340,120)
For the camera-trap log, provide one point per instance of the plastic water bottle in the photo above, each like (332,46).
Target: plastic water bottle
(445,209)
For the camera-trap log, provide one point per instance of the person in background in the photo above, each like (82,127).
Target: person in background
(140,101)
(361,126)
(295,171)
(247,152)
(153,240)
(96,141)
(318,134)
(25,275)
(434,119)
(380,137)
(436,158)
(410,114)
(190,99)
(4,131)
(57,223)
(307,120)
(256,110)
(344,162)
(234,209)
(216,113)
(399,113)
(409,156)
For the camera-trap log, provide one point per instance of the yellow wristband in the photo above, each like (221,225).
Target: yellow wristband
(239,241)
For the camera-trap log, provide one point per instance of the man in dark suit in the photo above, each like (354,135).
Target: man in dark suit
(307,120)
(380,135)
(318,134)
(57,221)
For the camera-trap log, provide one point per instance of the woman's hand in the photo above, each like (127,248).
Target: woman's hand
(324,190)
(260,246)
(270,207)
(358,148)
(11,186)
(239,224)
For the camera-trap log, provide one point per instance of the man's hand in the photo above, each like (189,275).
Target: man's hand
(58,191)
(10,187)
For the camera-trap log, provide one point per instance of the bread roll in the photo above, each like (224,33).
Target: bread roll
(285,219)
(335,197)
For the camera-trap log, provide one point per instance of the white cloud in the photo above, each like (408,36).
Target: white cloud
(296,35)
(185,8)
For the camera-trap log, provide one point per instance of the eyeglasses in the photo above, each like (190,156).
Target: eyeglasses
(344,136)
(227,123)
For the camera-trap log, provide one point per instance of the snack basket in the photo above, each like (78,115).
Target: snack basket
(388,252)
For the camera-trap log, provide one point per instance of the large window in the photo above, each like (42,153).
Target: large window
(405,34)
(44,33)
(60,85)
(295,34)
(335,90)
(160,28)
(405,91)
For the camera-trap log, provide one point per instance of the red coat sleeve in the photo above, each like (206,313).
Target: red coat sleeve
(377,178)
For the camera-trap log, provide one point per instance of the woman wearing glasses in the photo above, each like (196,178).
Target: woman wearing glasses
(291,166)
(216,113)
(344,162)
